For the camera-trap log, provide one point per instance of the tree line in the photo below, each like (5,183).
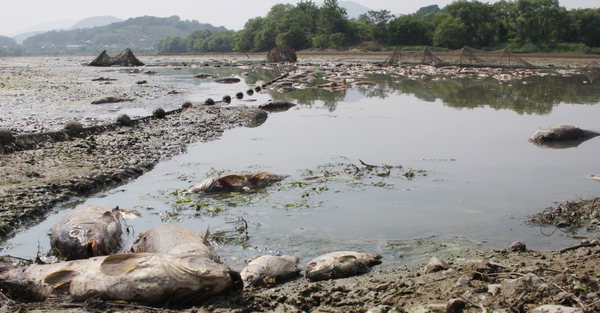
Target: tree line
(519,24)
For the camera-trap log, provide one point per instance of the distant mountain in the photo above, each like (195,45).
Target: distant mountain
(140,34)
(353,9)
(7,42)
(96,21)
(21,37)
(64,25)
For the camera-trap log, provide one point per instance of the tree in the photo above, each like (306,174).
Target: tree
(407,30)
(540,21)
(477,18)
(294,37)
(332,18)
(450,33)
(586,26)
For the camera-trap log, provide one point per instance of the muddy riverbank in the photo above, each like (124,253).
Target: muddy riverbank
(47,173)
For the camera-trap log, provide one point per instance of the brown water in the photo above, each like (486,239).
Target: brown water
(480,176)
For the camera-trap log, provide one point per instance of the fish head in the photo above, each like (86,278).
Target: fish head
(253,275)
(320,268)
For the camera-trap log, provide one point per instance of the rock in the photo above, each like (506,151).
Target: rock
(383,309)
(111,100)
(186,105)
(518,246)
(494,289)
(231,80)
(281,54)
(159,113)
(436,308)
(209,101)
(124,120)
(455,306)
(253,117)
(6,136)
(435,265)
(74,127)
(463,281)
(528,283)
(204,76)
(562,133)
(551,308)
(276,106)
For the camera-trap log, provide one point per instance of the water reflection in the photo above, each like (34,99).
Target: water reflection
(532,95)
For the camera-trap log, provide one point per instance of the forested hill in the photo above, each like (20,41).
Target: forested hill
(7,42)
(139,34)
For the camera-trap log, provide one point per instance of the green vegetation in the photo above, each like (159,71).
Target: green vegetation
(140,33)
(521,25)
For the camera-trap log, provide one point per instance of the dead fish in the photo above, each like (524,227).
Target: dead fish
(236,181)
(561,133)
(141,277)
(269,269)
(594,177)
(172,239)
(29,282)
(276,106)
(340,264)
(87,231)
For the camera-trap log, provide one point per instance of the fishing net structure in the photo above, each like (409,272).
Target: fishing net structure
(465,56)
(125,58)
(281,54)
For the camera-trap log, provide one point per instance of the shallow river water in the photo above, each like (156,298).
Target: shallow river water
(476,175)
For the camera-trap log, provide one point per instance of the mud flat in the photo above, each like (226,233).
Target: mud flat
(471,278)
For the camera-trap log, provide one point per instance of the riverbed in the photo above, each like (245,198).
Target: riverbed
(475,176)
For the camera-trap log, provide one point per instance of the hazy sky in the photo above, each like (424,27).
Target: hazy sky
(18,16)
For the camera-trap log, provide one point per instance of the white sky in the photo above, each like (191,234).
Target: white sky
(17,16)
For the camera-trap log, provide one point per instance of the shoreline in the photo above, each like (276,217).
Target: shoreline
(48,172)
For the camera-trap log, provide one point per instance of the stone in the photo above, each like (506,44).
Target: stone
(435,265)
(518,246)
(494,289)
(551,308)
(124,120)
(74,127)
(6,136)
(455,306)
(159,113)
(528,283)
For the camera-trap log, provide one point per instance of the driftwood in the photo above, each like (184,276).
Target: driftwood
(125,58)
